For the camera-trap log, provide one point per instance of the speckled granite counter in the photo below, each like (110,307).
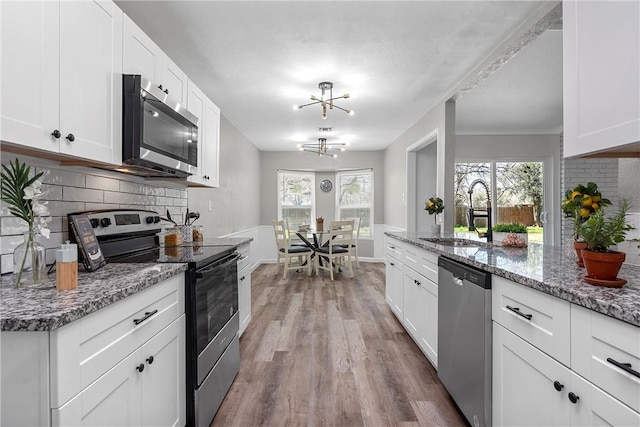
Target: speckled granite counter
(46,309)
(547,269)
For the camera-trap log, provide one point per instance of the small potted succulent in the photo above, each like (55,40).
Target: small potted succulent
(600,232)
(514,235)
(435,205)
(579,204)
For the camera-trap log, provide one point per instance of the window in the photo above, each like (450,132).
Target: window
(296,197)
(354,198)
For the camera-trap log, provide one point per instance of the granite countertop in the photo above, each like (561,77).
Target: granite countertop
(546,268)
(45,309)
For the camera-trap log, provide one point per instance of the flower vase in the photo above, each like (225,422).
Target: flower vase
(435,229)
(29,262)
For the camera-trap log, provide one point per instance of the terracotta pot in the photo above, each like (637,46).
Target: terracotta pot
(579,246)
(603,265)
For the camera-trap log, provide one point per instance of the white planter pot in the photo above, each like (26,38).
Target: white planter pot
(499,236)
(435,229)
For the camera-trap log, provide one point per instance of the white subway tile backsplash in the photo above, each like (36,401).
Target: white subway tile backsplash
(131,187)
(103,183)
(165,201)
(51,192)
(101,206)
(7,263)
(180,202)
(173,192)
(63,208)
(13,225)
(82,195)
(64,177)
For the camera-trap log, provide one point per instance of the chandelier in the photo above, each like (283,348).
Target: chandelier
(325,86)
(322,148)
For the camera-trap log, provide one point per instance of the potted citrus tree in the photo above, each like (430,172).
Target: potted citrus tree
(600,232)
(435,205)
(513,234)
(579,204)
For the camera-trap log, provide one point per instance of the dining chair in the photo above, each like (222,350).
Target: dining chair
(294,256)
(340,239)
(354,245)
(292,229)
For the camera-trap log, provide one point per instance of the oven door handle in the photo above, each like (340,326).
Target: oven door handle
(218,265)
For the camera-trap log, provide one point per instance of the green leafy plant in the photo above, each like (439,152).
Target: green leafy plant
(580,203)
(435,205)
(601,231)
(510,228)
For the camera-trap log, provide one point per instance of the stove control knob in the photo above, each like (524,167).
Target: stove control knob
(105,222)
(95,222)
(149,220)
(156,219)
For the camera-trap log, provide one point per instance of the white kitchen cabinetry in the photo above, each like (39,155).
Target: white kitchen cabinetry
(208,114)
(412,293)
(394,278)
(61,78)
(601,51)
(142,56)
(244,286)
(532,387)
(122,365)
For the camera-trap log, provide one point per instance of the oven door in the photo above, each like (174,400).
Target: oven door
(216,308)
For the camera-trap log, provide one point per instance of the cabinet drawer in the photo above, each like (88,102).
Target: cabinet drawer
(84,350)
(540,319)
(598,342)
(422,261)
(394,248)
(244,261)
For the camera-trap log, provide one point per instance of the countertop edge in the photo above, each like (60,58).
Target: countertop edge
(563,291)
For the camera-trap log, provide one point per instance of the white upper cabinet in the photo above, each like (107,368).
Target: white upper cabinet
(601,42)
(61,78)
(208,114)
(174,80)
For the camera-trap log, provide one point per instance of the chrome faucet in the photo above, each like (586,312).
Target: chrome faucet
(473,214)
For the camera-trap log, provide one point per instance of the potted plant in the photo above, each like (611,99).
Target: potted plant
(513,234)
(579,204)
(600,232)
(435,205)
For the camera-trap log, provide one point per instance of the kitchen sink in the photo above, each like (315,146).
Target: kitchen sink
(454,242)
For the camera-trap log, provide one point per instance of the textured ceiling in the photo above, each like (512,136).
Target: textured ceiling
(397,60)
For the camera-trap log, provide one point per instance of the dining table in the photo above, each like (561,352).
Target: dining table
(316,241)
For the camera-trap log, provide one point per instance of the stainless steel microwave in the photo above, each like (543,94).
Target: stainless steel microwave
(159,136)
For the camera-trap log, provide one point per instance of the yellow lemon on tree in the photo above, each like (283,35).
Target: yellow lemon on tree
(595,206)
(575,194)
(585,212)
(586,200)
(595,199)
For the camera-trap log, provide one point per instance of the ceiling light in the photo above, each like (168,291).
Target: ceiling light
(322,148)
(324,102)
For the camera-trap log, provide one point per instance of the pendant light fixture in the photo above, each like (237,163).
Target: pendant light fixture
(323,148)
(325,102)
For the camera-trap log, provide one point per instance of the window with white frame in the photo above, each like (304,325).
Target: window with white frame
(296,197)
(354,198)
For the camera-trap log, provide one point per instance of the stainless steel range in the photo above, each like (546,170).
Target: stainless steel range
(211,300)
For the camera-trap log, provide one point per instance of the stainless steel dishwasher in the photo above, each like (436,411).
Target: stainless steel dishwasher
(464,338)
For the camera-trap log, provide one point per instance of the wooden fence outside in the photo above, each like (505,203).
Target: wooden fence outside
(522,214)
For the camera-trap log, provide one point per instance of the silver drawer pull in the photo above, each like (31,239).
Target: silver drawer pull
(147,315)
(517,311)
(624,366)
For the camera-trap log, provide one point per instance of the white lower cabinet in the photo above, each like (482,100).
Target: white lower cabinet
(146,389)
(532,388)
(412,293)
(244,287)
(123,365)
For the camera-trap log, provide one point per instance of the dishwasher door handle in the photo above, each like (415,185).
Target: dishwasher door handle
(517,311)
(458,281)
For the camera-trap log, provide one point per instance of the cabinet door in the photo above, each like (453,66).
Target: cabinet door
(196,104)
(91,80)
(30,73)
(140,54)
(601,61)
(163,380)
(413,306)
(595,407)
(244,298)
(209,142)
(393,287)
(428,328)
(524,389)
(114,399)
(175,81)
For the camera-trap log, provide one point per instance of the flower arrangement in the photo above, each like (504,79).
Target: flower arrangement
(435,205)
(582,202)
(22,190)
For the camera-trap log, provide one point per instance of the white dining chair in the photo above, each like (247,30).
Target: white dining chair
(338,247)
(294,256)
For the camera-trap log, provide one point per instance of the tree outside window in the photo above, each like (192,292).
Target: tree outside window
(354,198)
(296,197)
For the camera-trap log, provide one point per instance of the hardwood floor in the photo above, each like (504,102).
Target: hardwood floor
(322,353)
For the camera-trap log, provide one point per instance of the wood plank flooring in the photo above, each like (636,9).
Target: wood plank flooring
(322,353)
